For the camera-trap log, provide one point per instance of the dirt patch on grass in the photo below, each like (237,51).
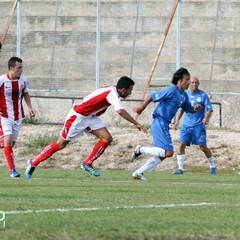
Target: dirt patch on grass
(224,144)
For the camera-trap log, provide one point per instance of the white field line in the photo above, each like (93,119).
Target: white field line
(134,181)
(116,208)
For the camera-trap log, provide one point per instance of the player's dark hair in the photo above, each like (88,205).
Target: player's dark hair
(179,75)
(124,82)
(12,61)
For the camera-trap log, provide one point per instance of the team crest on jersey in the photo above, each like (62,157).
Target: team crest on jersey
(199,99)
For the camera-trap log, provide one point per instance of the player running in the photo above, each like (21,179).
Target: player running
(84,118)
(193,130)
(170,100)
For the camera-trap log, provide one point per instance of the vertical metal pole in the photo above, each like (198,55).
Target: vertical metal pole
(178,54)
(19,29)
(98,43)
(53,49)
(214,48)
(134,38)
(178,45)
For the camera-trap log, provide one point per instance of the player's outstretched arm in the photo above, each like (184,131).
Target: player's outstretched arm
(138,110)
(124,114)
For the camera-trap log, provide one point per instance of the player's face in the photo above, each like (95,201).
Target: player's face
(194,84)
(125,92)
(185,81)
(16,71)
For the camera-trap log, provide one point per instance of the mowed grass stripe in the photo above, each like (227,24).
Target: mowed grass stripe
(75,205)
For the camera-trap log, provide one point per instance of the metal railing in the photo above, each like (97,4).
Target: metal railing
(73,99)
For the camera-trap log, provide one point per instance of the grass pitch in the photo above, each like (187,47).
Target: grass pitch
(71,204)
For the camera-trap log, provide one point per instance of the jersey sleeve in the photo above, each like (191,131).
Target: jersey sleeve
(160,95)
(114,100)
(207,103)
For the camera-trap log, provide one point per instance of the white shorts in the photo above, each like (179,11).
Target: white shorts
(11,128)
(75,125)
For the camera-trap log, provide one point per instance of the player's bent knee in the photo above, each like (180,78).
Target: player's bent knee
(169,153)
(108,139)
(62,145)
(203,148)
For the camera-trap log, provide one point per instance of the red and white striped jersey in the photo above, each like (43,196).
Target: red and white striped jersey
(97,102)
(11,94)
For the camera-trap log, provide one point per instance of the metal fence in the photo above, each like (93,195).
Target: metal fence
(72,47)
(56,116)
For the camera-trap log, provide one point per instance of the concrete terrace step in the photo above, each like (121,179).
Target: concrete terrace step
(75,39)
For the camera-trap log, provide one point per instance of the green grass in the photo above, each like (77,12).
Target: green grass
(113,206)
(37,142)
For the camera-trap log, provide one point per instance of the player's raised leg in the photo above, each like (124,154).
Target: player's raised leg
(105,139)
(47,152)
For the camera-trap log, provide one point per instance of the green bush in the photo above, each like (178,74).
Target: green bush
(40,140)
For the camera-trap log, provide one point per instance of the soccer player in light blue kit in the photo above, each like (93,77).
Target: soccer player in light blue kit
(170,100)
(193,130)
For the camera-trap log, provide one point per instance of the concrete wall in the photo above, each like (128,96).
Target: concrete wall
(71,71)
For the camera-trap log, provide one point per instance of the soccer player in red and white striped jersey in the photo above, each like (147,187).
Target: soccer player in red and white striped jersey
(84,117)
(13,88)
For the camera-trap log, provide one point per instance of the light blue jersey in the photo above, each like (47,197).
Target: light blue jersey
(193,131)
(170,100)
(192,120)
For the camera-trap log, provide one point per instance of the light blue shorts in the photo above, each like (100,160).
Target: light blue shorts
(193,135)
(161,135)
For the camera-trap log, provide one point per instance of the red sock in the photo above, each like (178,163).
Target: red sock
(47,152)
(97,151)
(9,157)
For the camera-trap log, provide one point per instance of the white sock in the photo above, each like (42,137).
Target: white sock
(211,162)
(151,163)
(180,160)
(155,151)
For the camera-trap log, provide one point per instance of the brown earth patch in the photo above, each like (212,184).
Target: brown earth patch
(223,143)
